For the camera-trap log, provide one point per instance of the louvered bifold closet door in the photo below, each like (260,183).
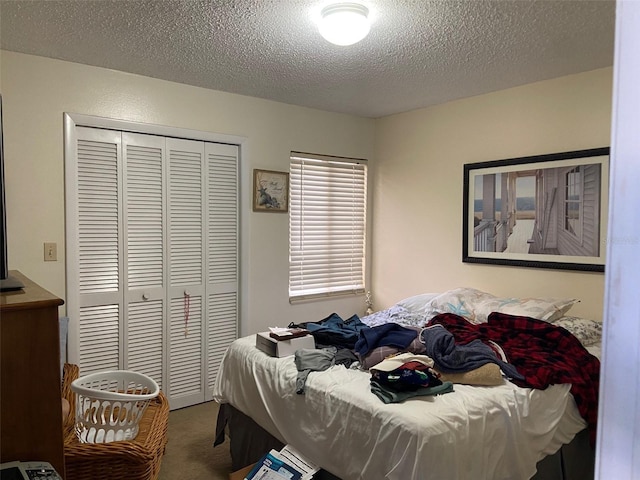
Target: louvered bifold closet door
(222,247)
(94,299)
(152,257)
(186,266)
(144,253)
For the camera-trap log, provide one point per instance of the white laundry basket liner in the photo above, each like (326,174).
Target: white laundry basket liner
(109,405)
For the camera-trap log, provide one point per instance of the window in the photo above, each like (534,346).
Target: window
(327,226)
(573,202)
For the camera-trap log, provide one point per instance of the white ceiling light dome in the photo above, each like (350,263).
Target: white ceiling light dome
(344,23)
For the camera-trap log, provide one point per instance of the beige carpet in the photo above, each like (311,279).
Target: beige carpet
(190,454)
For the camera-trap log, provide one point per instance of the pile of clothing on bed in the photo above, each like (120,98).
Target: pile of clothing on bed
(406,361)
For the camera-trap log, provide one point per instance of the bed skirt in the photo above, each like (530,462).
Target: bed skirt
(249,442)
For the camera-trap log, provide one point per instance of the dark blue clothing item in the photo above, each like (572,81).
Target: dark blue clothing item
(403,379)
(385,335)
(450,357)
(334,331)
(388,395)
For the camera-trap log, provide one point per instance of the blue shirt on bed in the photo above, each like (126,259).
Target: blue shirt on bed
(334,331)
(387,335)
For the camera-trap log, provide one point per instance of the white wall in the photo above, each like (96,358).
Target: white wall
(417,242)
(36,91)
(417,174)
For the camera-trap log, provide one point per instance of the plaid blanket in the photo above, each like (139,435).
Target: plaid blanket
(544,353)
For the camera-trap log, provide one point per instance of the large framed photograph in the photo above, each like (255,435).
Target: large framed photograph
(546,211)
(270,191)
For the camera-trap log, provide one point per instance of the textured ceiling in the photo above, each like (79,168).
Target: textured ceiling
(419,52)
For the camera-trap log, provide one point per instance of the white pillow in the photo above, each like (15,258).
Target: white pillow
(476,305)
(461,301)
(418,303)
(547,309)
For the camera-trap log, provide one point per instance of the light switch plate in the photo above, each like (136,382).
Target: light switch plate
(50,252)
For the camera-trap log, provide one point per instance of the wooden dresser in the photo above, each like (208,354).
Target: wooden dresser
(30,391)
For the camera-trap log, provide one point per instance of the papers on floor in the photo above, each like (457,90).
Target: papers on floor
(295,458)
(287,464)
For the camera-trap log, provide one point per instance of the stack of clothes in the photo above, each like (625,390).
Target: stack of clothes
(404,376)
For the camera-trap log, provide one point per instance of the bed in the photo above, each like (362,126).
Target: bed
(475,432)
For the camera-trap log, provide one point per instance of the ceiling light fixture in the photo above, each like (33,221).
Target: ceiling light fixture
(344,23)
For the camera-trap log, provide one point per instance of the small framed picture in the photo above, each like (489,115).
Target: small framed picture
(270,191)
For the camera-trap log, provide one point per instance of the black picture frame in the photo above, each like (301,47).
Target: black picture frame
(543,211)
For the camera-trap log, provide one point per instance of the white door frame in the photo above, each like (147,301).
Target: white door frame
(618,440)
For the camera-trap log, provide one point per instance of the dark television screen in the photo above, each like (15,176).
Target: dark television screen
(3,234)
(7,282)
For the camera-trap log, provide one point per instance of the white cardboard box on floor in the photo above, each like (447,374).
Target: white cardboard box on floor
(282,348)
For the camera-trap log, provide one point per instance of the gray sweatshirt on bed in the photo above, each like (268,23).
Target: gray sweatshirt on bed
(312,360)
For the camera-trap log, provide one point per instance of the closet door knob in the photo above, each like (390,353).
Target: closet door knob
(145,296)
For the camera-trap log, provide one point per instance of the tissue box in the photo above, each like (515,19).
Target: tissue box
(282,348)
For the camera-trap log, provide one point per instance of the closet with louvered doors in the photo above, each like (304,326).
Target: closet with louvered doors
(152,275)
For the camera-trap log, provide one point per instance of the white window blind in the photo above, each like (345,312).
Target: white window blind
(327,226)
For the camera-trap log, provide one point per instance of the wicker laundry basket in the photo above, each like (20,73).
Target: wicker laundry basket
(136,459)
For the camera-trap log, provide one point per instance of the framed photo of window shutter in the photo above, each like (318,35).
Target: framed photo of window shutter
(544,211)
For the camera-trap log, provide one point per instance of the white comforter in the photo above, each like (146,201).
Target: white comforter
(473,433)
